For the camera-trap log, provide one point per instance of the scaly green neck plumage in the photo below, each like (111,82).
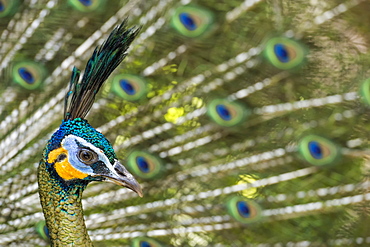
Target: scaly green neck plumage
(63,210)
(61,202)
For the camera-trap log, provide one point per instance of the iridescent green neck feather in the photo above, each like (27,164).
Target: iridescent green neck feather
(62,209)
(60,198)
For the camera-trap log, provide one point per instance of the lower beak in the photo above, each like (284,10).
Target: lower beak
(124,178)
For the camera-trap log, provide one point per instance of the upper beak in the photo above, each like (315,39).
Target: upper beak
(124,178)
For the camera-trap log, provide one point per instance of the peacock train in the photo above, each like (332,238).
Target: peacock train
(242,123)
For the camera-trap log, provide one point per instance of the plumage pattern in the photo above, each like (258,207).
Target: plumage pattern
(253,129)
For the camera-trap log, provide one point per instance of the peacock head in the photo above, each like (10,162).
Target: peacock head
(78,154)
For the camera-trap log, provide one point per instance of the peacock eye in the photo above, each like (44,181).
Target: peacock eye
(285,53)
(87,156)
(145,242)
(365,91)
(86,5)
(29,75)
(227,113)
(244,210)
(129,87)
(192,21)
(318,150)
(8,7)
(145,165)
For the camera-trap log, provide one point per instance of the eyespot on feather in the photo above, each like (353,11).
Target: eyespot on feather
(145,242)
(42,230)
(318,150)
(192,21)
(29,75)
(227,113)
(86,5)
(145,165)
(365,92)
(129,87)
(244,210)
(8,7)
(284,53)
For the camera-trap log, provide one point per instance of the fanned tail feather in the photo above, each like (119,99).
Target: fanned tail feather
(245,122)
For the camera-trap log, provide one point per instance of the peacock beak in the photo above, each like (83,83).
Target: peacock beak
(124,178)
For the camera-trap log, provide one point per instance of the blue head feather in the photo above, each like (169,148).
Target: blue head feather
(81,128)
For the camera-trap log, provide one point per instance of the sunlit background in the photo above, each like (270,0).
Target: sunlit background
(246,122)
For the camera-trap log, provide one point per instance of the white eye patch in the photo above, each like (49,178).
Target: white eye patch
(69,143)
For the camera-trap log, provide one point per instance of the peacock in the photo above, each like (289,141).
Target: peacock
(245,122)
(77,154)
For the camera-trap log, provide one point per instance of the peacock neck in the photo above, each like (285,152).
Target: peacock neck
(62,208)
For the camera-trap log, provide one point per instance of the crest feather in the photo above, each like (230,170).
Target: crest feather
(105,59)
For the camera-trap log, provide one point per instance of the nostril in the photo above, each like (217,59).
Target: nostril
(120,171)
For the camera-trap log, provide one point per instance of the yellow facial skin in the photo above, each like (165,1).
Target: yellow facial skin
(64,169)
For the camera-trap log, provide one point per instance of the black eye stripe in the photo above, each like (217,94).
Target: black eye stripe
(81,146)
(61,157)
